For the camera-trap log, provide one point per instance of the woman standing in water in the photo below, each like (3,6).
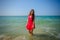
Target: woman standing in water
(30,26)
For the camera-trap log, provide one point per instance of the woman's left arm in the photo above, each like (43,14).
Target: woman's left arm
(34,23)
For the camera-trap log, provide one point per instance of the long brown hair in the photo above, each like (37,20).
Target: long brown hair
(33,15)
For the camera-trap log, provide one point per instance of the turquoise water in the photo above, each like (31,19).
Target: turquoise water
(16,25)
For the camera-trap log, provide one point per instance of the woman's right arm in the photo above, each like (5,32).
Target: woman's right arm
(26,22)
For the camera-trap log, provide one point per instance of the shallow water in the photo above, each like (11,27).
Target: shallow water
(47,27)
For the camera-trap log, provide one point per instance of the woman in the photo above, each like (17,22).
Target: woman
(30,26)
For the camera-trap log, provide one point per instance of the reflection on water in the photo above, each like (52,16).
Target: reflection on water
(27,37)
(42,37)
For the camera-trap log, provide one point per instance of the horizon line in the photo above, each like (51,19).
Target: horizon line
(27,15)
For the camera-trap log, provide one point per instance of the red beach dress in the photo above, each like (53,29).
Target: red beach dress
(30,25)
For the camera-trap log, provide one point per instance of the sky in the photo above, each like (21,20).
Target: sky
(23,7)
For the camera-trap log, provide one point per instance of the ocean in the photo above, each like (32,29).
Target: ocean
(44,25)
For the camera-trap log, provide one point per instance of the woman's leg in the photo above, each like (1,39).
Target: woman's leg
(31,32)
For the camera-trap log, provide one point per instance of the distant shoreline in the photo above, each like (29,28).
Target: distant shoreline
(40,15)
